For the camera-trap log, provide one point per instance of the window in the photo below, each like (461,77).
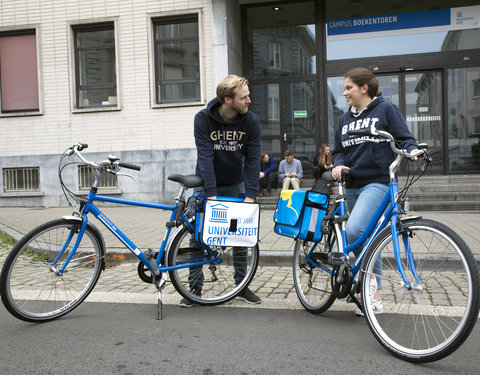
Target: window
(86,177)
(273,103)
(177,63)
(95,68)
(21,179)
(274,53)
(18,72)
(476,88)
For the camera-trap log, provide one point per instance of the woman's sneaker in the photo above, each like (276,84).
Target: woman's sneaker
(377,306)
(248,296)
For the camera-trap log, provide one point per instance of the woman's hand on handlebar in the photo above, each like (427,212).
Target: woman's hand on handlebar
(417,157)
(337,172)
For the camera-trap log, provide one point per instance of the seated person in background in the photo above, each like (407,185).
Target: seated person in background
(322,170)
(290,171)
(323,159)
(267,174)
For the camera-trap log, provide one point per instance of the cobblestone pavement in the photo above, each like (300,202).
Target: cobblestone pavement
(120,282)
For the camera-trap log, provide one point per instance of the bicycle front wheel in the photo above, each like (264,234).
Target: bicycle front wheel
(312,274)
(213,283)
(30,285)
(432,318)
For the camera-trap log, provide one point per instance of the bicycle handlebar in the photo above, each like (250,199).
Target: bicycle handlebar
(383,136)
(129,166)
(78,147)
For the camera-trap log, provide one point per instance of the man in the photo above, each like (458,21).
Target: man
(227,137)
(290,171)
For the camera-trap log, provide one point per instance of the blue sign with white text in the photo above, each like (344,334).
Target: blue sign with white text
(412,20)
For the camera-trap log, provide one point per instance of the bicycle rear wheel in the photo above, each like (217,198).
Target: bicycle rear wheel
(312,275)
(213,283)
(433,318)
(30,287)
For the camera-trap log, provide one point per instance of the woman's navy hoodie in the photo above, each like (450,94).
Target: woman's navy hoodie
(369,161)
(227,152)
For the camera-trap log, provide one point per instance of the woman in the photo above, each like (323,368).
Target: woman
(322,170)
(368,162)
(323,159)
(267,174)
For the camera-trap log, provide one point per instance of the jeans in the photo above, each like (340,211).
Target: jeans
(268,181)
(363,203)
(240,254)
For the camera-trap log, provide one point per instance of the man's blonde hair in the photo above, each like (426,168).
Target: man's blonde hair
(229,86)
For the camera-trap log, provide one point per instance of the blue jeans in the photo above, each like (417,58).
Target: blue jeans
(363,203)
(240,254)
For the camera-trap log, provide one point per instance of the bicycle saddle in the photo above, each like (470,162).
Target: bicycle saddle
(188,181)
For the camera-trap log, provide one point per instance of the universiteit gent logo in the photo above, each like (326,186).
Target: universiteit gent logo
(219,214)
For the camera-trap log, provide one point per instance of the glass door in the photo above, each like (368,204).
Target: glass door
(286,111)
(299,122)
(463,95)
(266,105)
(423,112)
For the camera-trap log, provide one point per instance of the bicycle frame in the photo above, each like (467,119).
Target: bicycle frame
(90,207)
(386,213)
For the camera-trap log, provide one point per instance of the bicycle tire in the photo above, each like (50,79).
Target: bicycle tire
(31,290)
(312,278)
(214,283)
(430,321)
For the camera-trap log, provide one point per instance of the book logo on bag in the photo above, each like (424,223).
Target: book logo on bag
(219,214)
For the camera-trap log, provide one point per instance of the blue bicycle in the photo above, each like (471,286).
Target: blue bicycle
(428,275)
(54,267)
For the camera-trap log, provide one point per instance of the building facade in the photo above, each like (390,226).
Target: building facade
(127,77)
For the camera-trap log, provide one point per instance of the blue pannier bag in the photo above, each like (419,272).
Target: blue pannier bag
(299,214)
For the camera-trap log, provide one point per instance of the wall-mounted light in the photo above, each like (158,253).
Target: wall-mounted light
(276,9)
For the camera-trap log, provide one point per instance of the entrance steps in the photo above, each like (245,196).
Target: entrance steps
(430,193)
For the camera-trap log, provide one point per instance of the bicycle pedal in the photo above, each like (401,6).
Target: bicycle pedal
(336,258)
(319,257)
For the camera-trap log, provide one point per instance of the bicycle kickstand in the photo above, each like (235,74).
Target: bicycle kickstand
(161,285)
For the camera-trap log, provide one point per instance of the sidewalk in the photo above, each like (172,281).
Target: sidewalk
(145,227)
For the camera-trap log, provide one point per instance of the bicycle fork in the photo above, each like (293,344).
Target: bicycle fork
(408,253)
(65,246)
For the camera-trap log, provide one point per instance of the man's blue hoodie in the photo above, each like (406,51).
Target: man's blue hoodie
(227,152)
(369,161)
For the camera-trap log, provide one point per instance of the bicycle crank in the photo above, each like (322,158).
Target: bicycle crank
(341,280)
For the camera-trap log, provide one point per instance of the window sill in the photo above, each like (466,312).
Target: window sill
(20,194)
(21,114)
(96,109)
(179,104)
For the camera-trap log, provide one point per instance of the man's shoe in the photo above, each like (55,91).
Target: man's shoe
(248,296)
(186,303)
(260,193)
(268,193)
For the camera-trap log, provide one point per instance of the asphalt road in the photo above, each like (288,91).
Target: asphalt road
(113,338)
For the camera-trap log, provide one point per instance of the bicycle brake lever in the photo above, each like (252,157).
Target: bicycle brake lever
(125,174)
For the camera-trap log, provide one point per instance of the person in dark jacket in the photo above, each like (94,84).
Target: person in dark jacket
(227,136)
(323,159)
(368,162)
(267,174)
